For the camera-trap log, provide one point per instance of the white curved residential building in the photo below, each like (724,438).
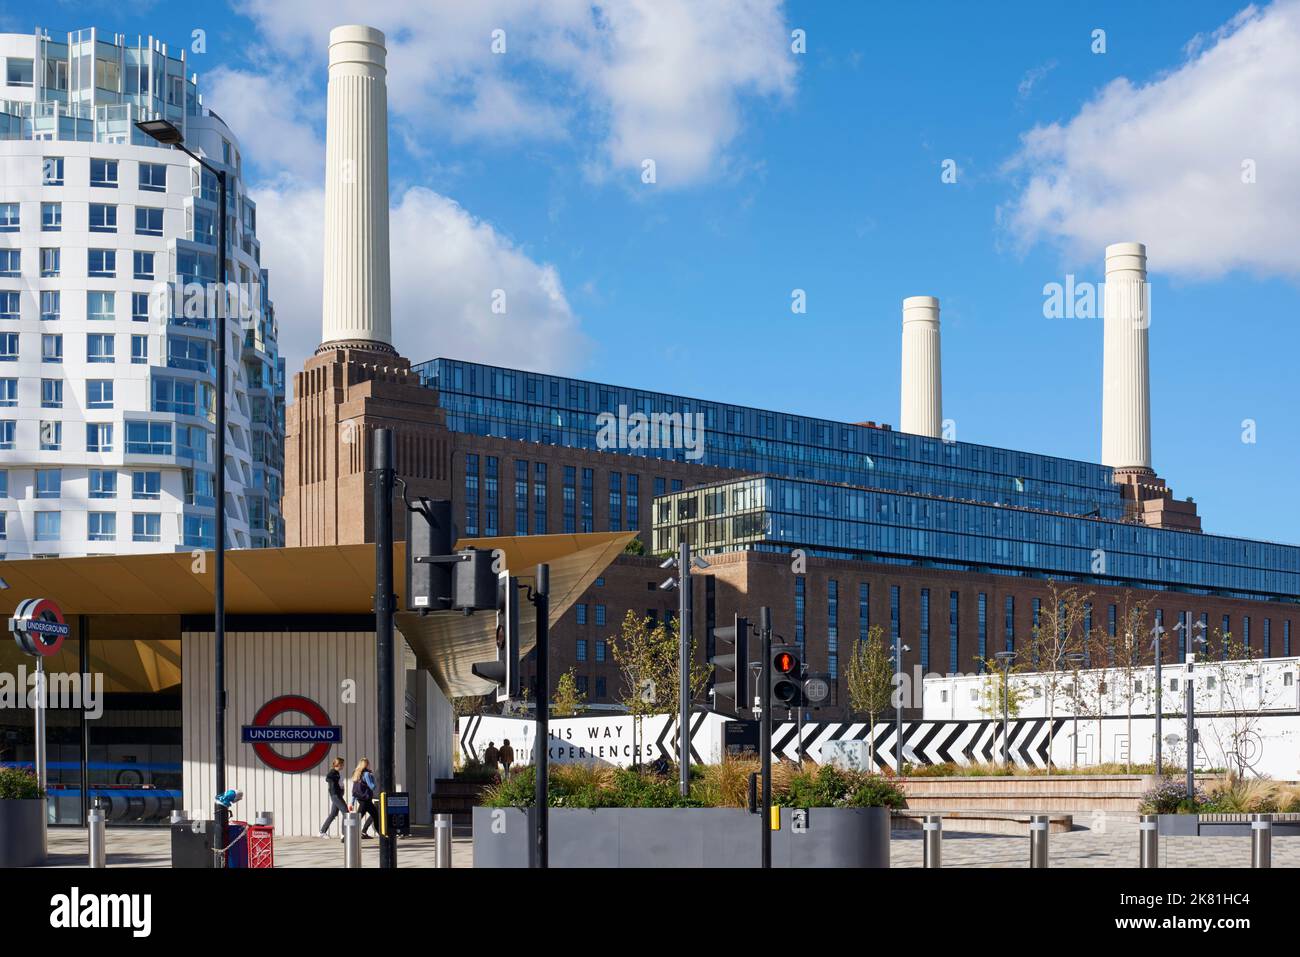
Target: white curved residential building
(106,405)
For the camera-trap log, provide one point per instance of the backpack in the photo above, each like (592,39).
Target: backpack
(361,790)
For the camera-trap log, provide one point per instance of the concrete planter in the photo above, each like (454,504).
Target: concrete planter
(22,833)
(1223,825)
(682,837)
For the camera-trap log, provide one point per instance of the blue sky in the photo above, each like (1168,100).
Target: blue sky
(818,171)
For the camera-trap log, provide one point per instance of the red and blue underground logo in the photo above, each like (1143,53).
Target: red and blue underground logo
(318,733)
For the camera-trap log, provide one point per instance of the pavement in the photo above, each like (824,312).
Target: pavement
(1097,841)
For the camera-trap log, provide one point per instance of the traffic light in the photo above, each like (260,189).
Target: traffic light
(787,677)
(737,663)
(504,672)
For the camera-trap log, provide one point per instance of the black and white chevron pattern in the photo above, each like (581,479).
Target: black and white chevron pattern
(925,742)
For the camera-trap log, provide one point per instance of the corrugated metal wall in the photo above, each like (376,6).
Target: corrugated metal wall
(264,665)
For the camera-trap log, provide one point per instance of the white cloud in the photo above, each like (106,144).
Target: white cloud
(274,126)
(445,267)
(659,79)
(1162,163)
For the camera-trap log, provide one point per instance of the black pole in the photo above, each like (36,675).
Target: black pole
(83,665)
(765,730)
(219,574)
(542,744)
(384,605)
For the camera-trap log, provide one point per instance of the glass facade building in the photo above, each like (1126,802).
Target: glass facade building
(777,514)
(553,410)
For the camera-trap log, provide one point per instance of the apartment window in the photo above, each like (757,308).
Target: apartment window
(582,649)
(148,221)
(1245,633)
(146,485)
(51,347)
(146,527)
(140,356)
(142,267)
(140,305)
(51,393)
(49,483)
(1010,623)
(51,303)
(149,438)
(18,71)
(103,218)
(8,347)
(1223,635)
(8,392)
(99,347)
(11,263)
(491,502)
(52,171)
(7,442)
(582,614)
(600,616)
(102,263)
(51,217)
(9,217)
(50,262)
(99,436)
(101,526)
(51,436)
(10,305)
(615,501)
(953,631)
(600,649)
(570,499)
(833,628)
(48,526)
(521,497)
(600,689)
(103,483)
(539,498)
(894,617)
(864,611)
(99,393)
(982,633)
(633,501)
(103,172)
(4,484)
(1268,638)
(588,494)
(677,485)
(800,602)
(153,177)
(925,631)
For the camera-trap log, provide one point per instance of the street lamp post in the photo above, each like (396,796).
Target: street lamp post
(1157,631)
(898,707)
(1006,657)
(1189,632)
(1075,658)
(167,134)
(683,563)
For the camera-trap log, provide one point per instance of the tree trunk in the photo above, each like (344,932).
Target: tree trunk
(871,741)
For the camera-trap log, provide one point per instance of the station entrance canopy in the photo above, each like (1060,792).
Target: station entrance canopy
(319,580)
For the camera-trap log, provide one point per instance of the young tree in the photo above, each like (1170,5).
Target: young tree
(1132,628)
(1246,691)
(1058,634)
(870,679)
(636,651)
(568,700)
(991,691)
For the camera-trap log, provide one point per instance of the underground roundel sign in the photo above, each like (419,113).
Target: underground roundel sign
(38,627)
(317,733)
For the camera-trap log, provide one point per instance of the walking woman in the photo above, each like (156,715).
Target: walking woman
(334,790)
(363,796)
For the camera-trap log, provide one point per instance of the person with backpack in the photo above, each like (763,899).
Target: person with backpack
(363,796)
(334,792)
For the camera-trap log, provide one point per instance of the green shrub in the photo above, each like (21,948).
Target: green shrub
(19,784)
(829,786)
(473,770)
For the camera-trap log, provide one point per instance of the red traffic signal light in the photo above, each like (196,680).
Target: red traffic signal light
(784,662)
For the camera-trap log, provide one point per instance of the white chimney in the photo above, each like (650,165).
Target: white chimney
(921,401)
(356,306)
(1126,377)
